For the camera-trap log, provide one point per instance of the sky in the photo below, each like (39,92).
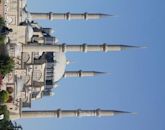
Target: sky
(136,82)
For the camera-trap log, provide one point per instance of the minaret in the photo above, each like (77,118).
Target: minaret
(75,48)
(66,113)
(80,73)
(68,16)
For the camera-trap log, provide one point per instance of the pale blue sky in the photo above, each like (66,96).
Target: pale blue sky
(137,80)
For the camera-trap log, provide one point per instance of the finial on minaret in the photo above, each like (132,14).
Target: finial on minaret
(122,112)
(126,47)
(80,73)
(67,113)
(106,15)
(68,16)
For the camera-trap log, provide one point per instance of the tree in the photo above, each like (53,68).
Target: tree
(9,125)
(6,65)
(4,111)
(2,39)
(6,123)
(2,24)
(4,96)
(1,80)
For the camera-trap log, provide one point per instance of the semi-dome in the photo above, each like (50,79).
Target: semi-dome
(29,32)
(59,66)
(56,41)
(55,85)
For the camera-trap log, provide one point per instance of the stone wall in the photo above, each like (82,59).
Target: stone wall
(1,8)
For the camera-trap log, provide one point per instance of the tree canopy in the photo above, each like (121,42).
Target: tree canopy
(6,123)
(4,96)
(3,110)
(6,65)
(2,23)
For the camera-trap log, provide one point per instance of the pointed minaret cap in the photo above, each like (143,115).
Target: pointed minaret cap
(122,112)
(101,112)
(99,73)
(126,47)
(106,15)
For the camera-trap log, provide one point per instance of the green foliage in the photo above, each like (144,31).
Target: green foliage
(2,39)
(3,110)
(1,80)
(6,65)
(6,124)
(2,23)
(4,96)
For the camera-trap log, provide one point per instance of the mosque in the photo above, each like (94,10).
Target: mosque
(40,61)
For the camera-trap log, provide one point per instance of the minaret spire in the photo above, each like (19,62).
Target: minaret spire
(66,113)
(68,16)
(75,48)
(80,73)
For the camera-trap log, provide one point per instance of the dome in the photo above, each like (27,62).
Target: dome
(29,17)
(56,41)
(26,16)
(29,32)
(59,66)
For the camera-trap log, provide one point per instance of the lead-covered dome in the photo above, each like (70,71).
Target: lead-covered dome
(25,16)
(59,66)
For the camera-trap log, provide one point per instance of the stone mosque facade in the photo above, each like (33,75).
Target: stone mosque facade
(40,59)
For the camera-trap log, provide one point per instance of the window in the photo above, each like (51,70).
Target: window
(37,74)
(49,82)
